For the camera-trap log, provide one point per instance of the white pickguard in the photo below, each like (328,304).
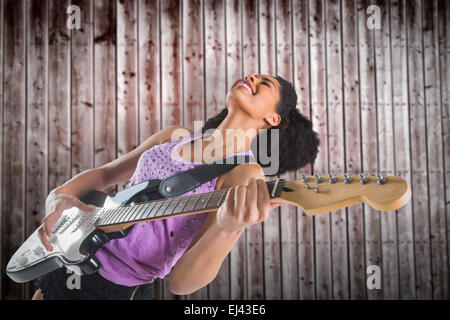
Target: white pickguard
(72,228)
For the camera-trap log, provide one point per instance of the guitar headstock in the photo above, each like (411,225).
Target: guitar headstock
(321,194)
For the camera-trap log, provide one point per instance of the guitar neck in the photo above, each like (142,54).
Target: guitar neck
(116,219)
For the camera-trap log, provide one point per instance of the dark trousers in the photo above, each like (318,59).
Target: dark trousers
(63,285)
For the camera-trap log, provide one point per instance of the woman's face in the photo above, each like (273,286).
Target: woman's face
(256,96)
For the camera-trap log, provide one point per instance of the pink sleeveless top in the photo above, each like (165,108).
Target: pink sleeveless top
(151,249)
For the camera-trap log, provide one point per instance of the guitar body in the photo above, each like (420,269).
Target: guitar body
(77,239)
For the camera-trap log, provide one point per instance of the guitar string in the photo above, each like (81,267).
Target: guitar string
(110,215)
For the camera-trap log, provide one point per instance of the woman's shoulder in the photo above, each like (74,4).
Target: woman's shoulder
(174,132)
(240,174)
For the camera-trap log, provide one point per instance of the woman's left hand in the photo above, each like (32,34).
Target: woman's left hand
(245,206)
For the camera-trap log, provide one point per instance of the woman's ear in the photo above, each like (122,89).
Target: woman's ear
(274,119)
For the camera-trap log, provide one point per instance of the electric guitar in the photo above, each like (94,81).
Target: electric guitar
(78,234)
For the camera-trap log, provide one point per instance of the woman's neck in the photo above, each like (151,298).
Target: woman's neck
(233,135)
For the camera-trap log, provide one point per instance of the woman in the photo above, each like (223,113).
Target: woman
(190,249)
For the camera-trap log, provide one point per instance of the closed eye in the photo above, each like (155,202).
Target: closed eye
(266,84)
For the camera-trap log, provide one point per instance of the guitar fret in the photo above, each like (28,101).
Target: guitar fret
(201,203)
(146,212)
(141,208)
(107,214)
(223,197)
(214,200)
(116,217)
(190,207)
(155,209)
(163,208)
(130,210)
(171,207)
(181,204)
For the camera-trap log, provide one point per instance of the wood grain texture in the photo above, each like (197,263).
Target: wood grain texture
(419,156)
(14,137)
(2,256)
(105,84)
(82,94)
(435,167)
(444,68)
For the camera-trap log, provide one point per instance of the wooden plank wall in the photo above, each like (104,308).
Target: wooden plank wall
(379,98)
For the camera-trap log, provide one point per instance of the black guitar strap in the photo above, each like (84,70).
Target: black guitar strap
(185,181)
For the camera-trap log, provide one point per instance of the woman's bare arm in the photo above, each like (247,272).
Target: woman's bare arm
(200,264)
(114,172)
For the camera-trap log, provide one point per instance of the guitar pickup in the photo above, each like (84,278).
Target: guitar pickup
(58,224)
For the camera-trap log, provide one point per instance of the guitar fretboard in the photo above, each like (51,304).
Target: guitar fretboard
(170,207)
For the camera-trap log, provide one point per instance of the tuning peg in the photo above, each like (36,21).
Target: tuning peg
(381,179)
(332,179)
(347,179)
(363,179)
(318,178)
(307,185)
(305,179)
(316,189)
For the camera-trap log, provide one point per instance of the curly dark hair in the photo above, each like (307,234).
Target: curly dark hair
(298,142)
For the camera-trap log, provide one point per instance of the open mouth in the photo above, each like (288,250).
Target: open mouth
(245,85)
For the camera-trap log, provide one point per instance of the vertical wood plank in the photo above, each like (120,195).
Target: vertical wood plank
(288,214)
(59,128)
(216,87)
(369,135)
(254,244)
(148,74)
(82,94)
(419,183)
(322,227)
(357,273)
(171,85)
(402,142)
(271,227)
(435,167)
(14,137)
(444,59)
(149,68)
(36,146)
(192,78)
(127,104)
(305,233)
(238,263)
(105,83)
(386,150)
(339,253)
(2,257)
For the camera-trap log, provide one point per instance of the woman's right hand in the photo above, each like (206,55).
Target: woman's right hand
(55,204)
